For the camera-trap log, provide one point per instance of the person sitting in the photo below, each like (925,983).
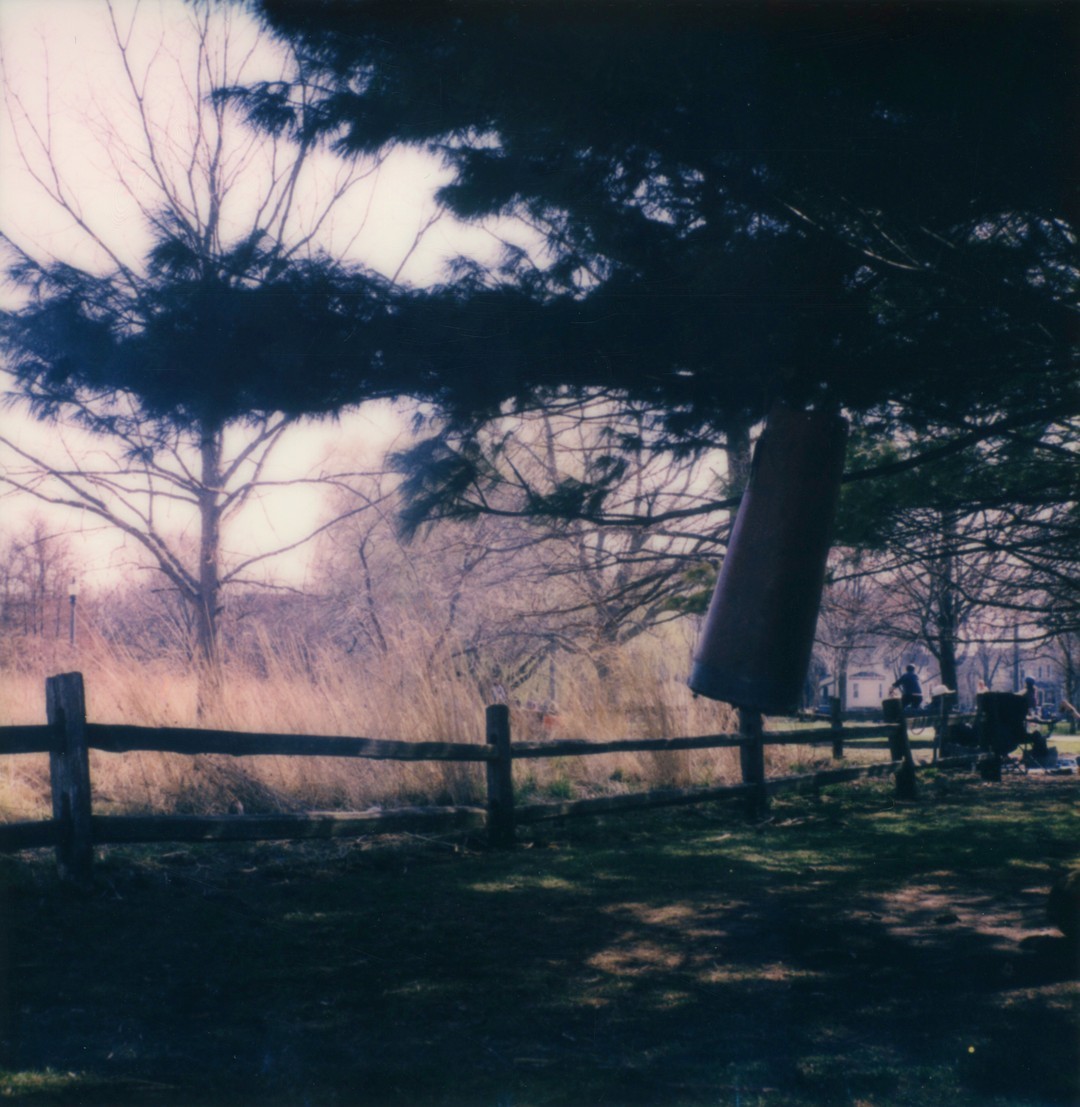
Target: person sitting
(910,688)
(1031,698)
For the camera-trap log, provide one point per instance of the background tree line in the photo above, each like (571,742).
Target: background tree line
(522,601)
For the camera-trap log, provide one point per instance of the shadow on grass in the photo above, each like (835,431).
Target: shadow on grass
(850,950)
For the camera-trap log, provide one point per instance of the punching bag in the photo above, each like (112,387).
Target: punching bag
(755,647)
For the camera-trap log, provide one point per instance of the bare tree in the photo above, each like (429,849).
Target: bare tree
(508,586)
(604,585)
(849,624)
(170,338)
(947,581)
(36,569)
(458,590)
(1068,650)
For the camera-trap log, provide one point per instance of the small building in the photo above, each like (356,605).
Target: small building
(866,688)
(862,690)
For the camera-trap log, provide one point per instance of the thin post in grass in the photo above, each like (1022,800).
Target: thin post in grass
(500,779)
(69,776)
(941,724)
(836,725)
(752,761)
(900,748)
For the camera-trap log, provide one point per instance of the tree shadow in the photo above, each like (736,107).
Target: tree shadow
(679,959)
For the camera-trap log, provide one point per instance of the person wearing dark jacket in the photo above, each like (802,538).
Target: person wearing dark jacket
(910,688)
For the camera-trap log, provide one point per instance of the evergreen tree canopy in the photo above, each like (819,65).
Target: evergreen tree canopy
(871,206)
(197,345)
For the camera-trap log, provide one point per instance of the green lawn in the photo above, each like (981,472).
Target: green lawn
(850,951)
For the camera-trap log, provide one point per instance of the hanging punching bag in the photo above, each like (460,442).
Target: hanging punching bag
(755,646)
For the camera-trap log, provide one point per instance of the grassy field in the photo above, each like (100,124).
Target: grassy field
(850,951)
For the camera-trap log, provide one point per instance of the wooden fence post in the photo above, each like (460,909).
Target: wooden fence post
(941,724)
(752,761)
(500,779)
(69,775)
(900,748)
(836,723)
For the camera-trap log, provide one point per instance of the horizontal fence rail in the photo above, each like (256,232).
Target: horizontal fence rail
(582,747)
(74,830)
(26,739)
(126,739)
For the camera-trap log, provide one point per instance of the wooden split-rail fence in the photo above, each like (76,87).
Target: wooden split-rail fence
(74,830)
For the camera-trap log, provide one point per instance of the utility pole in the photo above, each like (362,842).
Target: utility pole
(73,593)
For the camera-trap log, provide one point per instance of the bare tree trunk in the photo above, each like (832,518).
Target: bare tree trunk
(947,618)
(1067,645)
(947,653)
(207,599)
(739,455)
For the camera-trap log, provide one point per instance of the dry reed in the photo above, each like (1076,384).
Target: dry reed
(413,692)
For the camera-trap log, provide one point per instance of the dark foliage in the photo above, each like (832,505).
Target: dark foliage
(870,206)
(199,345)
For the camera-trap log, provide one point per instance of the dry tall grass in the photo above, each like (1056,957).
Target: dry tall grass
(408,694)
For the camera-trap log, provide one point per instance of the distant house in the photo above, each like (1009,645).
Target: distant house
(1003,669)
(862,690)
(865,688)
